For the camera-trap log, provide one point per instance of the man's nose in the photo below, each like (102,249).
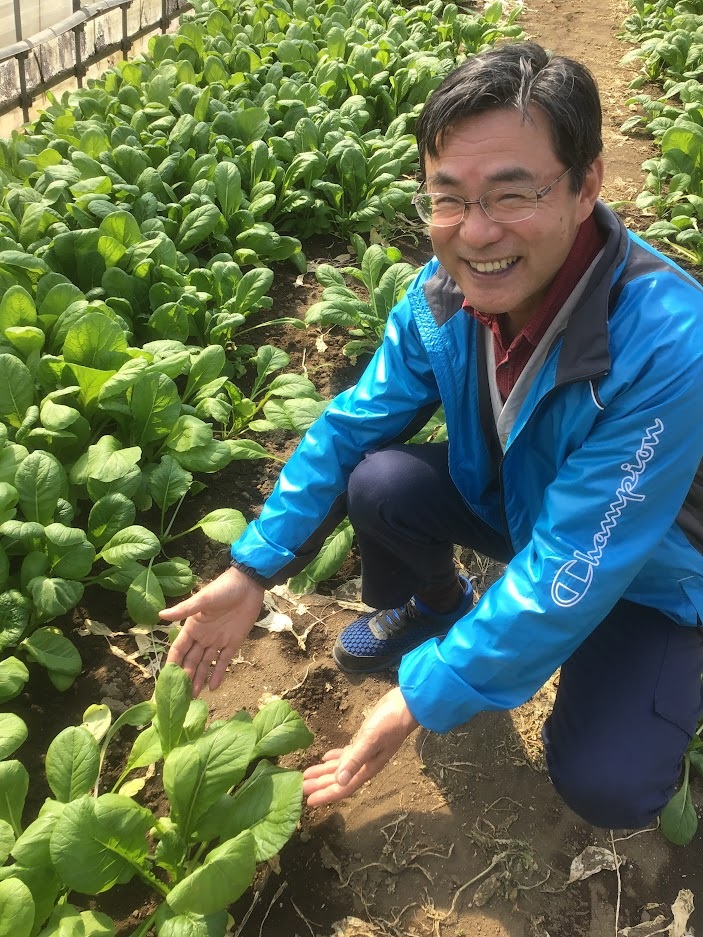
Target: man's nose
(477,228)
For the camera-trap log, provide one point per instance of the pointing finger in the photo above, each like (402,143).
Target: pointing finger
(320,794)
(352,760)
(332,754)
(183,609)
(220,669)
(180,647)
(318,771)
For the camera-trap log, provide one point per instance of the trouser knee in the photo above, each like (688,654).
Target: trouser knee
(606,805)
(381,487)
(606,792)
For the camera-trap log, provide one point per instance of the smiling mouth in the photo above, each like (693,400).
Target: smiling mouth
(493,266)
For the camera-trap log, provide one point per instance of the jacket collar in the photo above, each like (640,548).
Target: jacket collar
(584,352)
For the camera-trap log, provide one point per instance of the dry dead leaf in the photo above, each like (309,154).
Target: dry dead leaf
(593,859)
(537,928)
(276,622)
(329,860)
(646,928)
(487,889)
(147,644)
(293,598)
(90,626)
(355,607)
(348,596)
(131,659)
(682,909)
(350,590)
(353,927)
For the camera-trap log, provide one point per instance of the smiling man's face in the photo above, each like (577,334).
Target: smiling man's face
(507,268)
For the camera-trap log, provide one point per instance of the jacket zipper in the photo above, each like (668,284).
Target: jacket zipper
(549,393)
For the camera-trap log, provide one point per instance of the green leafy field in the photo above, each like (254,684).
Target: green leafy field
(669,38)
(669,44)
(139,222)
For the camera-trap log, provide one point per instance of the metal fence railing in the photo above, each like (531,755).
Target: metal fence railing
(30,67)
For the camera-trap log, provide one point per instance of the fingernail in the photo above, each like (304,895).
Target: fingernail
(343,778)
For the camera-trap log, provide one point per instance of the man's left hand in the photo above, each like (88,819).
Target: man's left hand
(344,770)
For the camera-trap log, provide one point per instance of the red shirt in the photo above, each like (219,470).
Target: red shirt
(512,356)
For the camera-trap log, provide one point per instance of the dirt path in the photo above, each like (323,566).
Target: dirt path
(474,806)
(587,30)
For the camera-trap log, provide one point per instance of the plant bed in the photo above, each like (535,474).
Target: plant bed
(438,792)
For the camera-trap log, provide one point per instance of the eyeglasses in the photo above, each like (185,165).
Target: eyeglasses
(504,205)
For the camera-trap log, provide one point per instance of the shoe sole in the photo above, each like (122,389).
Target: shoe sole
(389,663)
(379,668)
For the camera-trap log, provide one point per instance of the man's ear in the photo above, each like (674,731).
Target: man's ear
(590,190)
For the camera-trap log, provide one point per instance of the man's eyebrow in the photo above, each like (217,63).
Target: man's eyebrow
(512,174)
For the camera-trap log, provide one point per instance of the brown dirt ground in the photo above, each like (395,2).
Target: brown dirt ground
(474,806)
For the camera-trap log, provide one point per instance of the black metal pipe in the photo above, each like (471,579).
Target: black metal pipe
(25,97)
(18,20)
(126,43)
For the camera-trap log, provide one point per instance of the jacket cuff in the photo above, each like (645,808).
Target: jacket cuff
(265,581)
(254,552)
(434,693)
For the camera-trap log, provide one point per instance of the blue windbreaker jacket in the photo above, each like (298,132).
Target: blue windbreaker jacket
(599,489)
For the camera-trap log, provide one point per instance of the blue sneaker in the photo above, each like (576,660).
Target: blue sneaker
(377,641)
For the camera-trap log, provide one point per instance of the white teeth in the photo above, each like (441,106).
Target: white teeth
(493,265)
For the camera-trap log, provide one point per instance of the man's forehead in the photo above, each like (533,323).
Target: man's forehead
(440,175)
(501,144)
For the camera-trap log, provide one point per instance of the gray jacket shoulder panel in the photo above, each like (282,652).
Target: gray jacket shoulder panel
(443,296)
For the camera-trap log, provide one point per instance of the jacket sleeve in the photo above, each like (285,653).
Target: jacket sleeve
(393,399)
(612,502)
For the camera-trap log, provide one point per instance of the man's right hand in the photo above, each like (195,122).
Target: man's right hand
(217,620)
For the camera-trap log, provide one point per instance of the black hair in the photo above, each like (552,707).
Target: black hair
(520,75)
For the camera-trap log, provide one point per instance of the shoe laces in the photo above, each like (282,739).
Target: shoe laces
(392,621)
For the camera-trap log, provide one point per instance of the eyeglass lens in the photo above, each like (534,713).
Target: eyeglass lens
(502,205)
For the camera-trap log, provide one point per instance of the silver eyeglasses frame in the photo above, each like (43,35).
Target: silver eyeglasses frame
(419,199)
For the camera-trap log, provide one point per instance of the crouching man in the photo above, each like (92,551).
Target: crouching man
(568,357)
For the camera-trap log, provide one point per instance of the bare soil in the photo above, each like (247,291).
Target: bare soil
(463,834)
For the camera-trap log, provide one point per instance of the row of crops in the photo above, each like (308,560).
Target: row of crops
(668,39)
(669,46)
(139,222)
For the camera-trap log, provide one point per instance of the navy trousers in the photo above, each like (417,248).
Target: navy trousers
(629,697)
